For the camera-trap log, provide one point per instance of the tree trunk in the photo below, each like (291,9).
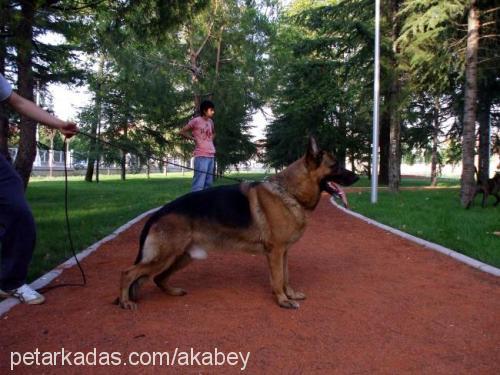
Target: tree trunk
(395,139)
(24,39)
(470,106)
(123,162)
(483,118)
(435,133)
(91,160)
(123,165)
(384,142)
(341,151)
(51,153)
(217,63)
(394,102)
(195,69)
(95,128)
(369,170)
(98,100)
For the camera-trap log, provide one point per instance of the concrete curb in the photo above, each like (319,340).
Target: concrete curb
(42,281)
(430,245)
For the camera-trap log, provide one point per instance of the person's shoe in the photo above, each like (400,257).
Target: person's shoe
(25,294)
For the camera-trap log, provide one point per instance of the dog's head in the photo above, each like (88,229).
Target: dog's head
(325,166)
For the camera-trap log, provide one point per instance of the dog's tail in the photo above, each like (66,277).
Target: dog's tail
(142,239)
(145,231)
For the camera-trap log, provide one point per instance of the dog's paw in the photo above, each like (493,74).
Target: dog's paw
(128,305)
(289,304)
(292,294)
(295,295)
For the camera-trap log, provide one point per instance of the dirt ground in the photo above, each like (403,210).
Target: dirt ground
(375,304)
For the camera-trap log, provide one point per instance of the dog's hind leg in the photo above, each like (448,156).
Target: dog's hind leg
(485,198)
(292,294)
(134,288)
(137,272)
(161,279)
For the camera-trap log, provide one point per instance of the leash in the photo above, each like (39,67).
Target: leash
(68,226)
(68,229)
(149,156)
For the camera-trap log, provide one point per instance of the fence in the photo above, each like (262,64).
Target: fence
(51,163)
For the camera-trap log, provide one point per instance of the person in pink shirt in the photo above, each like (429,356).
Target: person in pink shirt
(201,130)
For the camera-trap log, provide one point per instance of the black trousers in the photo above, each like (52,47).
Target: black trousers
(17,228)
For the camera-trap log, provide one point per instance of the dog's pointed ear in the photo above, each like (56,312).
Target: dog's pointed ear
(313,154)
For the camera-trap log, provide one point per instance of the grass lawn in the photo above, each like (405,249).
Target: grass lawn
(96,210)
(436,215)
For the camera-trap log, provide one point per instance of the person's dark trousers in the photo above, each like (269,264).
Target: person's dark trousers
(17,228)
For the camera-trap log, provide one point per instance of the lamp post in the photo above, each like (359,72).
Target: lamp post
(376,104)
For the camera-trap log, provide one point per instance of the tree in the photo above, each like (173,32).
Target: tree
(322,74)
(394,99)
(25,54)
(467,186)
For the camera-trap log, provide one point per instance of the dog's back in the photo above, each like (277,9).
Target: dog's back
(226,205)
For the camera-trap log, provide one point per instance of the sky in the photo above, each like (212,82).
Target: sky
(67,101)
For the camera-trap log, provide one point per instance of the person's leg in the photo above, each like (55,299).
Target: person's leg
(17,229)
(210,170)
(199,174)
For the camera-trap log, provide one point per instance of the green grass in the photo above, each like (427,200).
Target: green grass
(96,210)
(436,215)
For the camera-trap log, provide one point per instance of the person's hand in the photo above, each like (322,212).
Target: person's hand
(68,129)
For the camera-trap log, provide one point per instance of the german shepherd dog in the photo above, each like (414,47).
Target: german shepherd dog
(258,217)
(489,187)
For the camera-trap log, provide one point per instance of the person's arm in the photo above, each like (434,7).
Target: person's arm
(186,131)
(29,109)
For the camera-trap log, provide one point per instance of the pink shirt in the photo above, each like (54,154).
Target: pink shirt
(203,133)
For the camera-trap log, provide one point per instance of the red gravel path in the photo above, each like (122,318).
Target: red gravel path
(376,304)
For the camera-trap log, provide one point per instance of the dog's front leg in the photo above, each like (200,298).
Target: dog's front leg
(275,259)
(485,198)
(288,289)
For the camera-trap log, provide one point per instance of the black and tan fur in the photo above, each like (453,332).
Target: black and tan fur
(491,186)
(266,217)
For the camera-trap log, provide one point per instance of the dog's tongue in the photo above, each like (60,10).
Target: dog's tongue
(333,191)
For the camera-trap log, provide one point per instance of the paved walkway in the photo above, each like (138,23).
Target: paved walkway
(376,304)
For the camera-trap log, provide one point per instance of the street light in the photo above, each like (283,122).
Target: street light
(376,103)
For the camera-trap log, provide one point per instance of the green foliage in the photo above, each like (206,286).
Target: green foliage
(322,74)
(147,87)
